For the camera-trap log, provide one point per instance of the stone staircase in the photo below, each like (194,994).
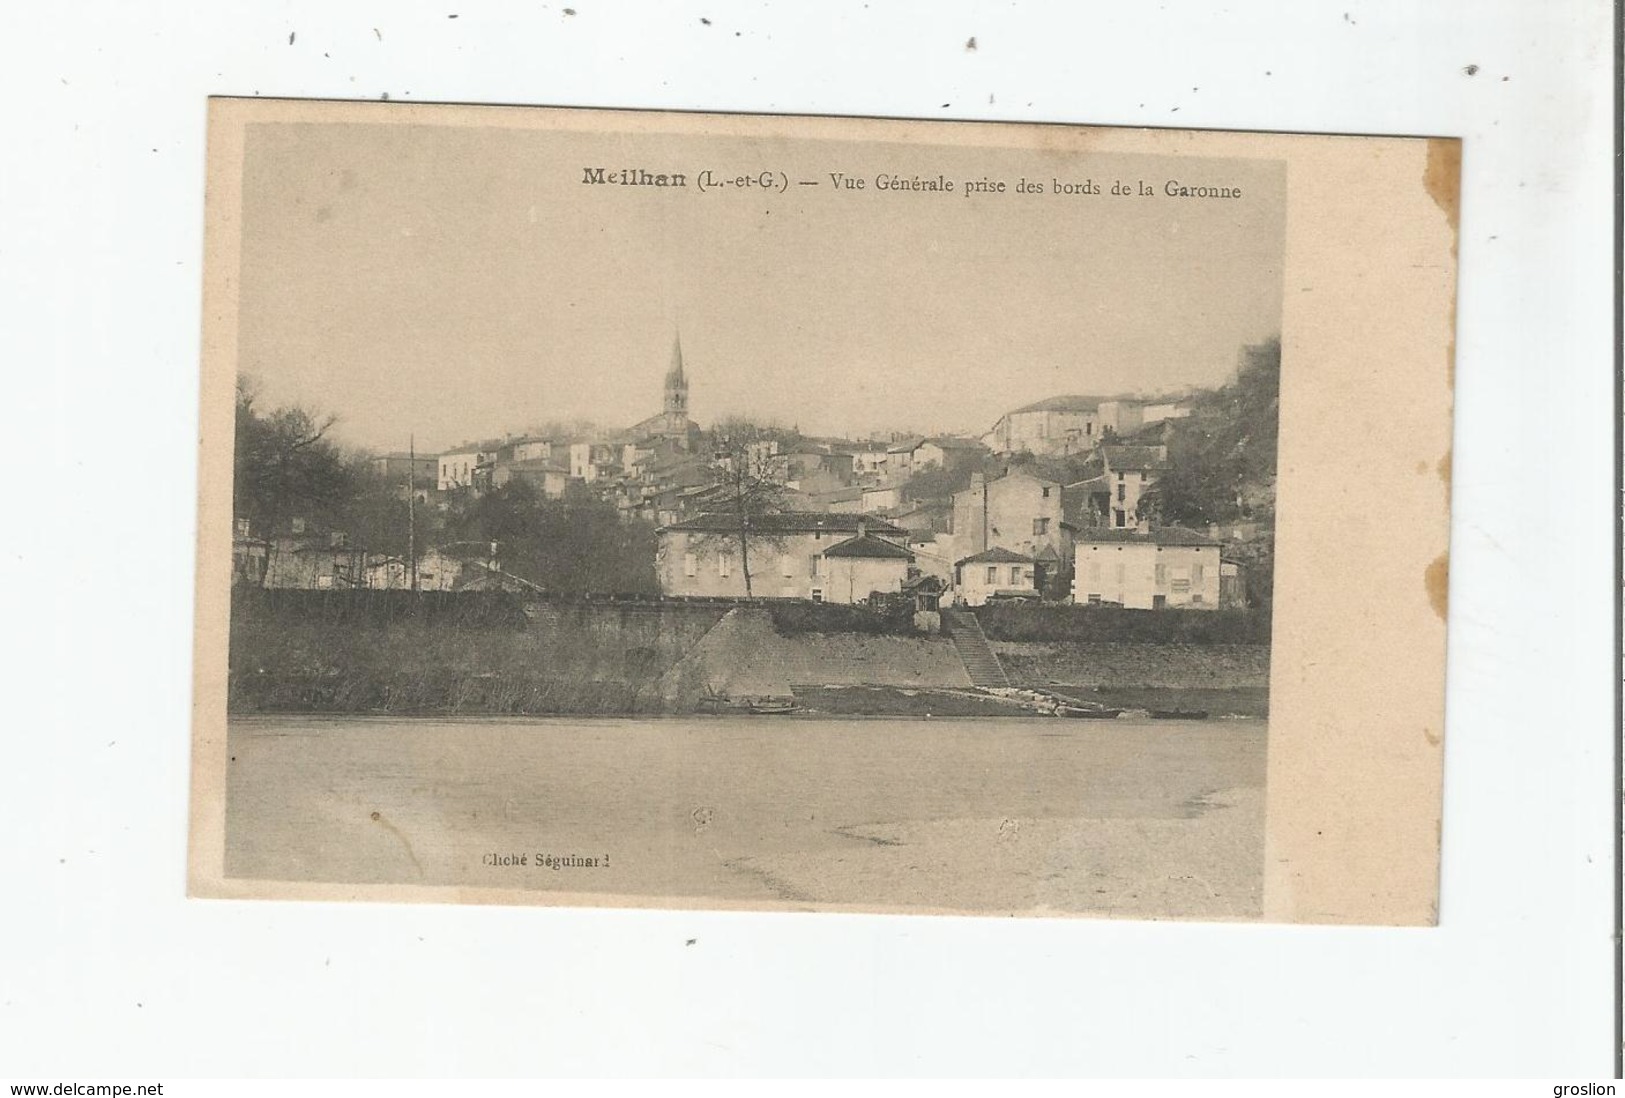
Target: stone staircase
(974,651)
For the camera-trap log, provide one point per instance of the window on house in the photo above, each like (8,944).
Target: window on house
(1162,574)
(787,563)
(691,565)
(1119,476)
(815,559)
(1119,518)
(1046,493)
(1122,489)
(992,575)
(1196,574)
(725,565)
(1197,597)
(1041,525)
(1159,602)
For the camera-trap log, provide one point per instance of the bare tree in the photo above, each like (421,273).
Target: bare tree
(285,465)
(749,473)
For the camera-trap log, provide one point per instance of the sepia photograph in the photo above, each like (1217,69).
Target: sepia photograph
(623,511)
(687,540)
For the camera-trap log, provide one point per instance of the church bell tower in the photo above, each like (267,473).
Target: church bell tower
(676,383)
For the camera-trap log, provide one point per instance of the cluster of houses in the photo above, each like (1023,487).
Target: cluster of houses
(319,560)
(851,517)
(1015,536)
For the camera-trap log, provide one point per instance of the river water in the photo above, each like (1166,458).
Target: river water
(1143,818)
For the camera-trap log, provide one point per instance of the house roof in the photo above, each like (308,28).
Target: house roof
(479,576)
(1134,457)
(992,483)
(905,447)
(840,495)
(536,465)
(914,507)
(790,522)
(1163,535)
(948,443)
(1077,402)
(867,545)
(1073,403)
(996,555)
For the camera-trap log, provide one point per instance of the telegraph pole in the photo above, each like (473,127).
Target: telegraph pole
(411,509)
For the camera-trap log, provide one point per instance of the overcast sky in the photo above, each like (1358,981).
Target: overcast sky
(459,283)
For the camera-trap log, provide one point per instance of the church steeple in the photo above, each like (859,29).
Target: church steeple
(676,381)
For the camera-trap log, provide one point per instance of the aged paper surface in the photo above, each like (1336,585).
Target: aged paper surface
(681,510)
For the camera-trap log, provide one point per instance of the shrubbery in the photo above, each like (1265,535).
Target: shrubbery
(1028,622)
(451,609)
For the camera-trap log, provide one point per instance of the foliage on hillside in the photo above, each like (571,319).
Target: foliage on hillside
(576,543)
(1222,464)
(288,468)
(1221,458)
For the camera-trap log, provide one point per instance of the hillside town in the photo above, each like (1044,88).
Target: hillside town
(1140,501)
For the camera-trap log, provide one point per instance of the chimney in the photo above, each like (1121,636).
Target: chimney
(863,527)
(977,480)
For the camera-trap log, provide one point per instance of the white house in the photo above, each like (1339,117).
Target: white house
(788,556)
(1018,512)
(1128,472)
(1064,425)
(1058,425)
(542,473)
(531,448)
(461,468)
(1170,567)
(591,460)
(900,460)
(863,565)
(1113,497)
(944,453)
(881,498)
(993,573)
(869,459)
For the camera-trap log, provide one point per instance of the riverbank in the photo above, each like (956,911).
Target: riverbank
(892,701)
(348,655)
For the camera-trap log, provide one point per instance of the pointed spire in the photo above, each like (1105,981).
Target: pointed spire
(675,374)
(676,383)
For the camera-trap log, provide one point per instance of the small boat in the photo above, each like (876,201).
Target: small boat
(1088,713)
(1179,714)
(773,705)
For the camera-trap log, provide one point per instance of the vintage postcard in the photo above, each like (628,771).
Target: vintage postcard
(739,511)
